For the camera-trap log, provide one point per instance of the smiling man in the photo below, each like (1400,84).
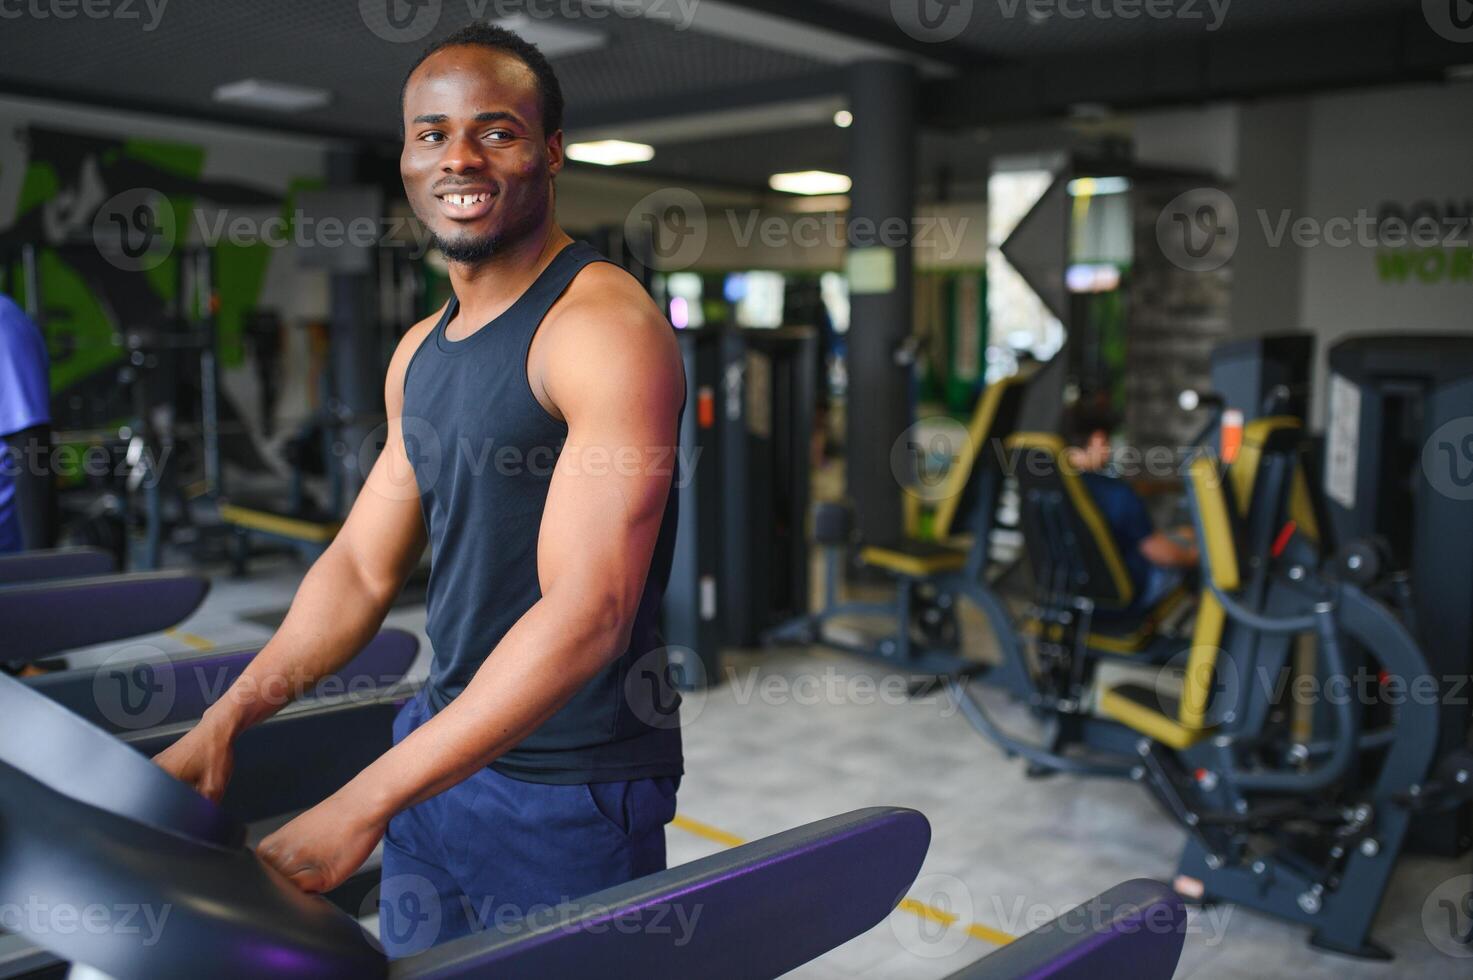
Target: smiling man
(531,424)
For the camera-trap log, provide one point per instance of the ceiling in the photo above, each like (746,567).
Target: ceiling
(772,69)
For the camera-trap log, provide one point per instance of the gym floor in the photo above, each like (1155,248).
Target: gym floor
(795,735)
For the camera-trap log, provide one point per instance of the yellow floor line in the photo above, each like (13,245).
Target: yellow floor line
(930,912)
(706,830)
(190,639)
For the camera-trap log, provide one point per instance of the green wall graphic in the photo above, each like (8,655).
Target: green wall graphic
(85,299)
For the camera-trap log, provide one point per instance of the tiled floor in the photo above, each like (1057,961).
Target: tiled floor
(764,753)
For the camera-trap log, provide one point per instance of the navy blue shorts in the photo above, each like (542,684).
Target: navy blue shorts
(493,850)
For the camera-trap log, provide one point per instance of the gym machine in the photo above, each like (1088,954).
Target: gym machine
(51,563)
(1305,829)
(329,734)
(158,692)
(765,414)
(929,569)
(90,824)
(1266,375)
(1399,469)
(741,550)
(691,610)
(49,616)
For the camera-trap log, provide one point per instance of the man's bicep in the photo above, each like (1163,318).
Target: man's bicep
(384,530)
(605,504)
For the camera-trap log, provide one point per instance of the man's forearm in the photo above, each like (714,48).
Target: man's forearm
(552,651)
(1161,550)
(333,616)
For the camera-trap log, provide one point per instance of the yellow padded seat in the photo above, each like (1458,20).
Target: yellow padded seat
(296,528)
(1182,722)
(916,559)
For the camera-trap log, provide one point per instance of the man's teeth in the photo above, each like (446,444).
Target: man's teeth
(466,200)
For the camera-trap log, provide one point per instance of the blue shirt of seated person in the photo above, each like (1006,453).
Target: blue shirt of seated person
(1130,525)
(1153,561)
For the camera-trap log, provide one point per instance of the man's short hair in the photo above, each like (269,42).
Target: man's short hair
(501,39)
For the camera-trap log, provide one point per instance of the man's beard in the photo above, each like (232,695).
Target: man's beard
(467,250)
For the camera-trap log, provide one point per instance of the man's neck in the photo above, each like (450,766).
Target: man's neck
(487,288)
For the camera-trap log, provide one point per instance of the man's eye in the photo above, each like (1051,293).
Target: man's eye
(500,135)
(432,137)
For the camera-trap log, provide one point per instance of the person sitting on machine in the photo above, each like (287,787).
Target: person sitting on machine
(1156,560)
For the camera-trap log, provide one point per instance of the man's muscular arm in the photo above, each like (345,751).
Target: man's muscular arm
(338,608)
(615,375)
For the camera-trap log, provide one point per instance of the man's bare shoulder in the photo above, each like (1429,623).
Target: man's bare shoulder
(405,350)
(606,333)
(606,307)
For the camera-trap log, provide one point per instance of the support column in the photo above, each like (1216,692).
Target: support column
(881,267)
(353,333)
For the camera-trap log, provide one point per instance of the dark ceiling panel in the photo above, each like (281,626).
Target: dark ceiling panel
(1025,70)
(176,64)
(1006,28)
(747,161)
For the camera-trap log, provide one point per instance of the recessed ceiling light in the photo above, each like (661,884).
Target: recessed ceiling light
(609,153)
(1089,110)
(277,96)
(809,182)
(843,118)
(1096,186)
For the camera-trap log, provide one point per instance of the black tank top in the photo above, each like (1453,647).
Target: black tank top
(483,450)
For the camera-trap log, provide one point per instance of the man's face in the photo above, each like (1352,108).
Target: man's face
(476,166)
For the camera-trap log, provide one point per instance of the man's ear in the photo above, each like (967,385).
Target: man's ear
(555,153)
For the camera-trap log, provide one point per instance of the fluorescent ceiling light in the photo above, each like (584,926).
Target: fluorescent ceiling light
(1096,186)
(809,182)
(553,39)
(1459,73)
(276,96)
(609,153)
(1089,111)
